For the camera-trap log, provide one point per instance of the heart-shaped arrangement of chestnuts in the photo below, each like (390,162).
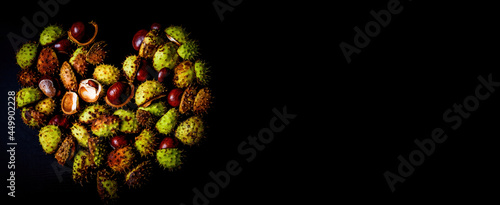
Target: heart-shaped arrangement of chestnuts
(113,124)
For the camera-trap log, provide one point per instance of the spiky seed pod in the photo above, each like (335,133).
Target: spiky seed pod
(107,186)
(50,137)
(33,118)
(158,109)
(106,126)
(146,143)
(66,150)
(106,74)
(187,99)
(51,34)
(68,77)
(92,112)
(169,158)
(79,62)
(81,134)
(82,168)
(202,101)
(46,106)
(146,119)
(97,53)
(130,67)
(28,77)
(167,122)
(151,42)
(177,34)
(99,149)
(184,74)
(148,90)
(190,131)
(121,160)
(27,96)
(26,55)
(47,61)
(139,175)
(189,50)
(128,122)
(202,71)
(166,56)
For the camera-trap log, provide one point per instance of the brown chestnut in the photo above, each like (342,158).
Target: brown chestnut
(119,94)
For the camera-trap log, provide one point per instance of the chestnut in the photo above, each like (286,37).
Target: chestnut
(77,30)
(118,141)
(60,120)
(119,94)
(165,74)
(62,46)
(138,38)
(169,142)
(174,97)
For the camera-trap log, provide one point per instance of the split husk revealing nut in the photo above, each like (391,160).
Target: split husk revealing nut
(90,90)
(70,104)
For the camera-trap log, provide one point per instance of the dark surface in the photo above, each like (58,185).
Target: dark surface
(353,120)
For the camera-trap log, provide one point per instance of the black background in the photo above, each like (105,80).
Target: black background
(353,120)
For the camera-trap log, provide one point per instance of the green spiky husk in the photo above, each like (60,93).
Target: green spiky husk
(148,90)
(81,134)
(92,112)
(170,158)
(50,137)
(166,56)
(106,126)
(33,118)
(146,142)
(178,33)
(202,71)
(151,42)
(99,149)
(190,131)
(184,74)
(158,109)
(82,167)
(167,122)
(106,74)
(50,34)
(27,55)
(27,96)
(46,106)
(107,186)
(189,50)
(128,122)
(130,67)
